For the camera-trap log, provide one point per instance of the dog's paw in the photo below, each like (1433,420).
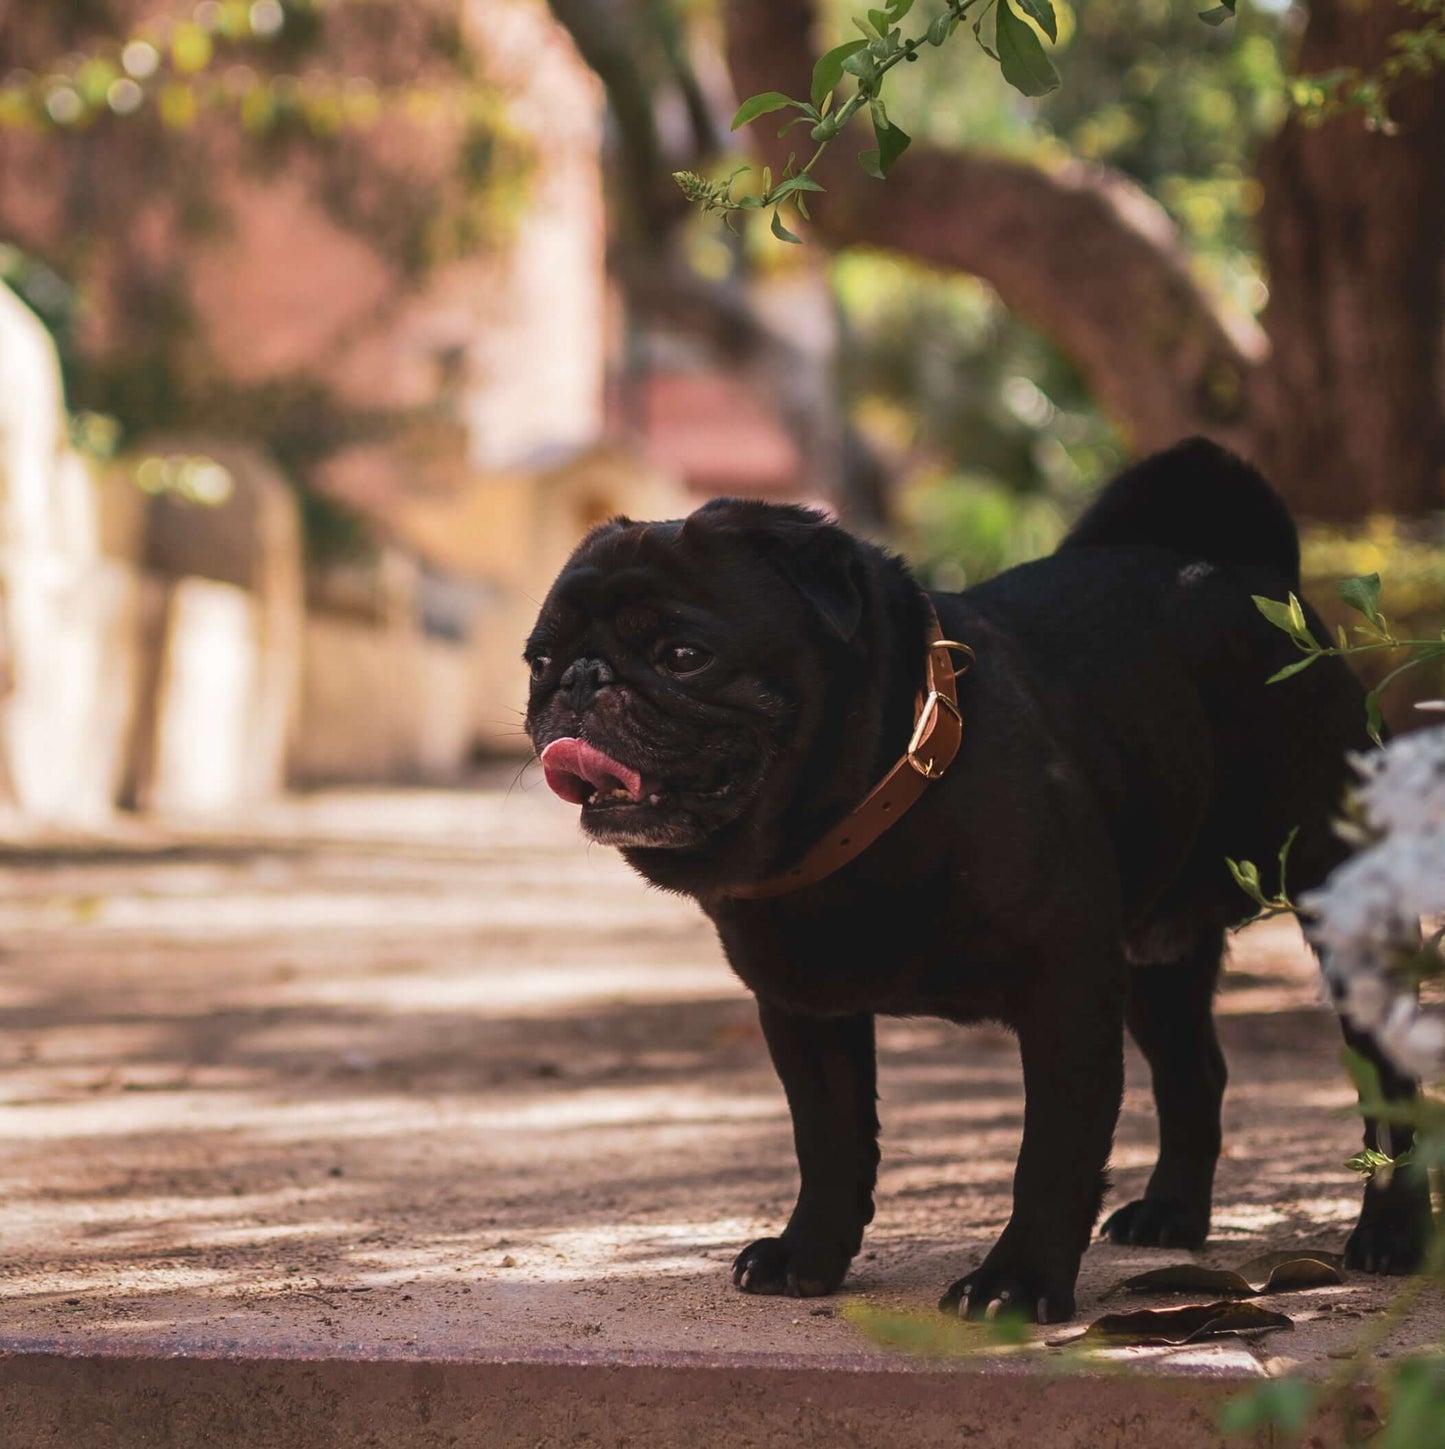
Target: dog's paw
(794,1268)
(1157,1222)
(1394,1227)
(991,1290)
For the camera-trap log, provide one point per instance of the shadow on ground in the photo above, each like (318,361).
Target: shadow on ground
(480,1091)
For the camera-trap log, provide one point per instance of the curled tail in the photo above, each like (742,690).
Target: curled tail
(1198,500)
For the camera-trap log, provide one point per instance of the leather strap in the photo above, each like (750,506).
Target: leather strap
(937,735)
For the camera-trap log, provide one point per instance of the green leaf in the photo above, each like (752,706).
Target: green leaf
(1363,595)
(897,9)
(942,27)
(1277,613)
(1297,618)
(1368,1162)
(1285,1403)
(881,21)
(1366,1077)
(1041,12)
(862,64)
(1295,668)
(892,143)
(782,233)
(1246,877)
(1009,1330)
(1428,1151)
(794,184)
(1218,15)
(1283,858)
(1417,1403)
(1374,720)
(756,106)
(1025,66)
(829,69)
(1287,616)
(933,1335)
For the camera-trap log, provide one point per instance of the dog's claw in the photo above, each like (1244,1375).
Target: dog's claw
(954,1301)
(986,1294)
(1157,1222)
(778,1266)
(1394,1229)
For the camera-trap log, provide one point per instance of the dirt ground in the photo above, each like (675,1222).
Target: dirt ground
(421,1075)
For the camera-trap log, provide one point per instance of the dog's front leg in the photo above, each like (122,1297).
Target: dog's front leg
(827,1066)
(1073,1059)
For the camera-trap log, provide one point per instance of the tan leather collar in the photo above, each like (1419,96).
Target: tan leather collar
(937,735)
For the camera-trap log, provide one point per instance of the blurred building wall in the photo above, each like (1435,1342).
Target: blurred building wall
(180,654)
(66,614)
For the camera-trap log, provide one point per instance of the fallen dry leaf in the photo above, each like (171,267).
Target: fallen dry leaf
(1269,1273)
(1187,1324)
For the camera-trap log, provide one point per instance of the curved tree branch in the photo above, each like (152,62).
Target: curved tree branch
(1080,252)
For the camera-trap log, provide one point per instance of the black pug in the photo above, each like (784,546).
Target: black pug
(719,692)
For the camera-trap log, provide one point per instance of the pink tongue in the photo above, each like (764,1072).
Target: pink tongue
(574,769)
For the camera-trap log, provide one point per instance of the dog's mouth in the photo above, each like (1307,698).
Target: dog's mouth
(617,798)
(582,774)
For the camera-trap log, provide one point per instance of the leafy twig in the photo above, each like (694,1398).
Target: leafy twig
(866,61)
(1246,877)
(1363,595)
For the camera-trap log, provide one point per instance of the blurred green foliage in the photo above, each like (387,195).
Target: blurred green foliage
(997,439)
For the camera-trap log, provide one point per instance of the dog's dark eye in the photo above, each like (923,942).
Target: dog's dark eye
(684,659)
(539,665)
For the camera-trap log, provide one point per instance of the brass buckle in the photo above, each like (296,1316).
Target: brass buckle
(927,717)
(951,644)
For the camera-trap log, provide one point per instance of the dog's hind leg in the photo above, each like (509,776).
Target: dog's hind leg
(1395,1221)
(1170,1014)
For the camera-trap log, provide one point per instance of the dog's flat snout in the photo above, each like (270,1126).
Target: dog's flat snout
(584,678)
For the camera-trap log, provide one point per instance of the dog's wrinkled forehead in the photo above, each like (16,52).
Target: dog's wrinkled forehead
(738,564)
(623,571)
(618,565)
(623,566)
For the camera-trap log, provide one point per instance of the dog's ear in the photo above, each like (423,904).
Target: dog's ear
(822,562)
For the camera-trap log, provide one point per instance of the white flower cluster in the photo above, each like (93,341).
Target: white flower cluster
(1367,914)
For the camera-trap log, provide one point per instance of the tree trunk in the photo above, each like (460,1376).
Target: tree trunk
(1353,231)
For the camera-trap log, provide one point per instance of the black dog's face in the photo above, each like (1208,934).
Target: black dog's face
(667,664)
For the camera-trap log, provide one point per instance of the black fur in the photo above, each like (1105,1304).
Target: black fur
(1066,876)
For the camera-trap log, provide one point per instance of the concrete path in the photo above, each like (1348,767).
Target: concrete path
(407,1118)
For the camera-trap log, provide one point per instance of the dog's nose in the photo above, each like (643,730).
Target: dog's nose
(583,678)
